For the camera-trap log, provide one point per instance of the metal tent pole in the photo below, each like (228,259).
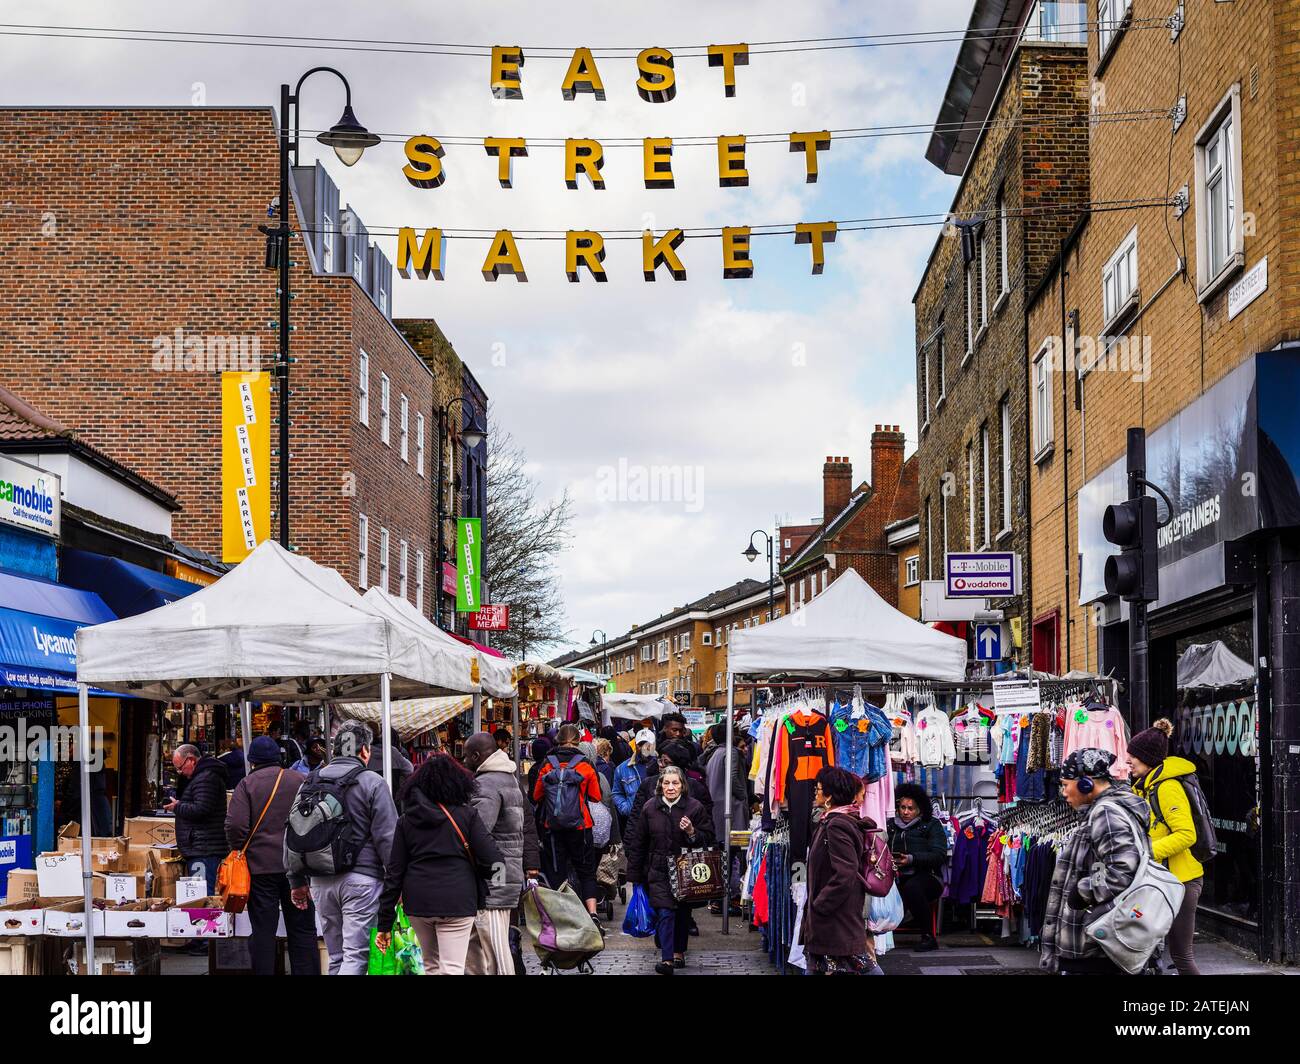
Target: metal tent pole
(725,842)
(246,727)
(385,697)
(87,829)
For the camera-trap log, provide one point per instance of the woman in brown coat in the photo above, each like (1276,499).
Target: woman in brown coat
(835,934)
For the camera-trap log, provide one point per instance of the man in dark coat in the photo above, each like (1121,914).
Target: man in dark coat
(670,822)
(268,787)
(200,808)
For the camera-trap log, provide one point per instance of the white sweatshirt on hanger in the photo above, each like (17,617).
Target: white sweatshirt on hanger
(934,739)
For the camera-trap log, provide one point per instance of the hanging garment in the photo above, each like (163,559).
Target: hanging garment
(862,740)
(1103,728)
(970,860)
(1040,734)
(878,800)
(902,744)
(804,749)
(1030,786)
(934,739)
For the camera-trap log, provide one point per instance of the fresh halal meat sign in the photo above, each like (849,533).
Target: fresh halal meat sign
(490,618)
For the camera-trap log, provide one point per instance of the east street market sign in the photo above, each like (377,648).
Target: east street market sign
(982,575)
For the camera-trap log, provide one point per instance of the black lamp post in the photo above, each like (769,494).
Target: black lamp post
(349,139)
(604,654)
(473,436)
(751,552)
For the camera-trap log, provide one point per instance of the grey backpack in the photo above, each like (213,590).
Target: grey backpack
(1141,914)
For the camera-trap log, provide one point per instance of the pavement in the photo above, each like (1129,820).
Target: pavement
(741,953)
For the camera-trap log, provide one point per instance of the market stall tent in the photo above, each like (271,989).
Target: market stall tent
(846,630)
(627,705)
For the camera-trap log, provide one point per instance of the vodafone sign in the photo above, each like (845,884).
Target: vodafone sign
(982,575)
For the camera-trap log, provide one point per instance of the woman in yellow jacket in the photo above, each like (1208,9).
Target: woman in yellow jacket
(1157,774)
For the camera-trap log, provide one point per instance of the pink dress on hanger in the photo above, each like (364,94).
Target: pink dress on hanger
(878,801)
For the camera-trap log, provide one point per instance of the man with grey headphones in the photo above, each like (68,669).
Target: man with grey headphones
(1097,862)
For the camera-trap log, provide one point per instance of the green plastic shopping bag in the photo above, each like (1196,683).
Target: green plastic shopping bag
(403,956)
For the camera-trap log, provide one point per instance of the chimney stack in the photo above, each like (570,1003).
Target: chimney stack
(837,486)
(886,457)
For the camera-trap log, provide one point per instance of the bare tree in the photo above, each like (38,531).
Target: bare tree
(526,534)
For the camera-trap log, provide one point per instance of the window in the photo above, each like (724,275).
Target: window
(913,568)
(686,641)
(1219,238)
(363,553)
(941,370)
(1004,408)
(746,622)
(970,493)
(384,408)
(929,541)
(406,429)
(419,580)
(1004,271)
(419,444)
(778,611)
(1043,400)
(987,503)
(970,308)
(383,559)
(1046,649)
(984,276)
(717,681)
(663,687)
(1110,21)
(663,650)
(824,572)
(401,568)
(706,639)
(787,544)
(923,386)
(717,637)
(327,243)
(363,377)
(1119,279)
(646,652)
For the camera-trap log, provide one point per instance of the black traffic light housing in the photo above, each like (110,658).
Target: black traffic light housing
(1133,575)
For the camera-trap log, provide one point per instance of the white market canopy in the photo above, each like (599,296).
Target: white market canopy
(847,630)
(1210,665)
(410,716)
(495,675)
(629,706)
(276,628)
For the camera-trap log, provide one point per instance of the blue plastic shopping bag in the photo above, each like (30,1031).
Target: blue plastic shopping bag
(885,914)
(640,919)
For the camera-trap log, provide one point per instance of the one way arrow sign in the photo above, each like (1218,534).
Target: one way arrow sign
(988,642)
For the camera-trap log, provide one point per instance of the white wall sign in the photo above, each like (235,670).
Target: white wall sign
(1253,284)
(30,498)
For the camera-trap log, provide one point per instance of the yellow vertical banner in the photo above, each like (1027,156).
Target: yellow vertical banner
(245,463)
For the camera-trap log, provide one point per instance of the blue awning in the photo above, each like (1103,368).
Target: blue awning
(129,589)
(38,626)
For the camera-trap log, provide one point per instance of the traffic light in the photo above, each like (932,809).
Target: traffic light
(1134,575)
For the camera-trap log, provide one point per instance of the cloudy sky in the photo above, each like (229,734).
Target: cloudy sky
(737,388)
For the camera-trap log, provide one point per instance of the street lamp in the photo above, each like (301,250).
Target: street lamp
(473,436)
(604,655)
(751,553)
(349,138)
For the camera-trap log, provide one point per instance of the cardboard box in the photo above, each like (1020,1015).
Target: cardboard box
(135,919)
(107,854)
(58,875)
(68,920)
(19,956)
(122,886)
(202,919)
(137,860)
(22,885)
(18,918)
(191,889)
(117,957)
(146,831)
(165,867)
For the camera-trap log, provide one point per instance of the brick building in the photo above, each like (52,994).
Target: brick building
(682,654)
(1184,321)
(853,531)
(136,228)
(1014,125)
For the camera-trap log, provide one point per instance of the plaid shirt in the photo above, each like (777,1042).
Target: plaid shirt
(1098,862)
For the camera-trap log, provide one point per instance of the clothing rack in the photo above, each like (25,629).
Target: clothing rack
(1043,816)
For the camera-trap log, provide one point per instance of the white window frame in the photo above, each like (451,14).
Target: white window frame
(988,502)
(686,641)
(1120,290)
(1112,18)
(419,444)
(970,311)
(984,277)
(326,243)
(912,570)
(402,572)
(405,406)
(363,374)
(363,550)
(1004,410)
(385,402)
(941,357)
(706,639)
(1004,266)
(647,652)
(970,492)
(1044,429)
(419,580)
(383,558)
(1211,275)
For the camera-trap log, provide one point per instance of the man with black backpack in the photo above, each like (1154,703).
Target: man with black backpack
(1182,835)
(566,783)
(338,840)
